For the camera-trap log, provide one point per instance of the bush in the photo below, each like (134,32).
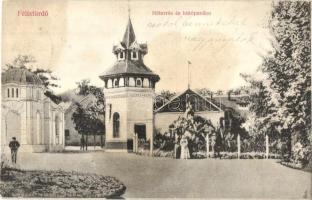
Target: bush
(162,153)
(59,184)
(5,162)
(300,154)
(163,142)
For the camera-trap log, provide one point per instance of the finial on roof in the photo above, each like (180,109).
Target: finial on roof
(129,9)
(129,36)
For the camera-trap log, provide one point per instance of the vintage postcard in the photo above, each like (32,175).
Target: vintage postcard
(156,99)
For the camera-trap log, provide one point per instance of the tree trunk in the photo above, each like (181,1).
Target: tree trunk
(94,141)
(87,141)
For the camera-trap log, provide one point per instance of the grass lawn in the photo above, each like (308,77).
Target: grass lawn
(166,177)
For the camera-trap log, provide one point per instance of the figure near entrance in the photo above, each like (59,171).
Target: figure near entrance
(14,145)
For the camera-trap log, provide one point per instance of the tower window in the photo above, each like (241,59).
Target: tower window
(116,82)
(138,82)
(16,90)
(8,92)
(12,92)
(134,55)
(121,56)
(116,125)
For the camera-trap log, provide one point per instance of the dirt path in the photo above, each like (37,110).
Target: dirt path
(163,177)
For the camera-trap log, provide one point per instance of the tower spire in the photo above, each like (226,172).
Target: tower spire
(129,36)
(129,9)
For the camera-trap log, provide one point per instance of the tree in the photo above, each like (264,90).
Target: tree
(167,95)
(82,122)
(206,92)
(48,79)
(93,113)
(289,68)
(284,95)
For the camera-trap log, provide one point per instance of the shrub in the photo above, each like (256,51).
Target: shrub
(301,154)
(5,163)
(60,184)
(163,142)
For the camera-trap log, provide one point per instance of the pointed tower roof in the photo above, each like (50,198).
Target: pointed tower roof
(128,66)
(129,36)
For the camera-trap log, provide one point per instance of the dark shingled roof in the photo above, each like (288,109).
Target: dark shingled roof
(129,36)
(20,76)
(129,67)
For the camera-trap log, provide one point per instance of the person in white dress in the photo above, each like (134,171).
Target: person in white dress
(185,153)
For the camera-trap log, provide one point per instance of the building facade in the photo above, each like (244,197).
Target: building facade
(129,89)
(28,115)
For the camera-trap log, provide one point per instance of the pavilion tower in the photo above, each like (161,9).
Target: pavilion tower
(129,89)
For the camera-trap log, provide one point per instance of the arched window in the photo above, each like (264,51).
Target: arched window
(16,90)
(134,55)
(57,130)
(116,125)
(12,92)
(38,127)
(121,56)
(8,92)
(116,83)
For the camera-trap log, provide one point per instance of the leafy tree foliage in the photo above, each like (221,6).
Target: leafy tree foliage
(48,79)
(281,100)
(90,119)
(166,95)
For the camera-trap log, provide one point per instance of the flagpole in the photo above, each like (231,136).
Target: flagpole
(188,75)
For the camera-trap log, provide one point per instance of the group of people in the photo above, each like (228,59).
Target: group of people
(83,144)
(182,150)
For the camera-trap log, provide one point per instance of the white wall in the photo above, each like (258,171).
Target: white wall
(134,105)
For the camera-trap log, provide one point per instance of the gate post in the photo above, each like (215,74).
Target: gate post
(136,143)
(133,145)
(151,145)
(238,147)
(267,146)
(207,145)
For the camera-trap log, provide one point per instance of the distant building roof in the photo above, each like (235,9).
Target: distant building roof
(234,103)
(20,76)
(179,103)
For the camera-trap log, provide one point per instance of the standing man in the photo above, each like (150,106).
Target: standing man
(14,145)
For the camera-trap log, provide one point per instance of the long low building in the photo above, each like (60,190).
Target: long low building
(176,107)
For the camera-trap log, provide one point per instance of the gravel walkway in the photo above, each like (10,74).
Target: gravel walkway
(165,177)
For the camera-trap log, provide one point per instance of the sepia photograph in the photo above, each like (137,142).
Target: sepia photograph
(135,99)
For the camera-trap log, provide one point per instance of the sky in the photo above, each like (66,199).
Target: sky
(76,39)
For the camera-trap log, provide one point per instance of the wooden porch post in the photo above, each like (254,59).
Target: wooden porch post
(134,142)
(207,145)
(151,145)
(238,146)
(267,146)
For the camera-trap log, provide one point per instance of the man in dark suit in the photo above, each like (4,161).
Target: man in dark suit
(14,145)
